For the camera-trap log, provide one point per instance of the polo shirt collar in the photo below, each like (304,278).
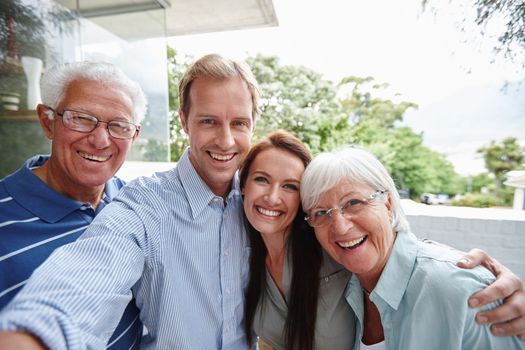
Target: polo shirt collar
(38,198)
(199,195)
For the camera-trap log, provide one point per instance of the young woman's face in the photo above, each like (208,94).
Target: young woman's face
(271,192)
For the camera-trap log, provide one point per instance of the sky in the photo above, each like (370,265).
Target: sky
(451,74)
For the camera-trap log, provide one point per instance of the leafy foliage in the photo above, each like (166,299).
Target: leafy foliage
(299,100)
(374,125)
(500,158)
(513,12)
(477,200)
(511,40)
(327,115)
(178,139)
(26,29)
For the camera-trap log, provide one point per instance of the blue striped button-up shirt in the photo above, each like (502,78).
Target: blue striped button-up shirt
(182,251)
(34,221)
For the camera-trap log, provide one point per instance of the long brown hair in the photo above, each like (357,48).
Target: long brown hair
(306,257)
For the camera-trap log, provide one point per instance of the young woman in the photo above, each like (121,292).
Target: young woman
(295,297)
(301,293)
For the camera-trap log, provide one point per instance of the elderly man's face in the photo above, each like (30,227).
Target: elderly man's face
(80,161)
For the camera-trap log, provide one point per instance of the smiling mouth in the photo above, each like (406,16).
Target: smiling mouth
(352,244)
(268,212)
(93,157)
(222,157)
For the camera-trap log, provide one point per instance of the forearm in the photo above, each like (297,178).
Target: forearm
(19,341)
(76,298)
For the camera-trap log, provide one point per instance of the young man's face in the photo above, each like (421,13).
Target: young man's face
(220,127)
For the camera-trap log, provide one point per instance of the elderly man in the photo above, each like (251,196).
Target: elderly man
(90,112)
(176,240)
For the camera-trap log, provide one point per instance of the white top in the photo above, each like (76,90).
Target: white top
(376,346)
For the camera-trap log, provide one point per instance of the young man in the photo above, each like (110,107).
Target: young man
(90,113)
(176,240)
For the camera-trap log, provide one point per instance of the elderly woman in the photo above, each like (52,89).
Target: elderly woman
(282,295)
(406,294)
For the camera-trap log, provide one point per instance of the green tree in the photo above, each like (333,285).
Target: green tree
(327,115)
(500,158)
(414,166)
(374,124)
(299,100)
(176,68)
(480,181)
(511,39)
(363,105)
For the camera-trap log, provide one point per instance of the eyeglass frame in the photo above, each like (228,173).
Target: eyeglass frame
(108,123)
(339,208)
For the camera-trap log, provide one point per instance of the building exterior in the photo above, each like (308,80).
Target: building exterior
(35,34)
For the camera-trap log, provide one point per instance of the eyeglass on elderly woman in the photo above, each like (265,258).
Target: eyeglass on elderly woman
(83,122)
(320,217)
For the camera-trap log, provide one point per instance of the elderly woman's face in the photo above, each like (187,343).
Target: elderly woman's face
(361,239)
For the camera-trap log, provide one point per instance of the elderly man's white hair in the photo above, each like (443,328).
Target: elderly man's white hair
(329,169)
(55,82)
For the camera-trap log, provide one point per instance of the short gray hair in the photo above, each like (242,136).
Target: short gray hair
(57,79)
(329,169)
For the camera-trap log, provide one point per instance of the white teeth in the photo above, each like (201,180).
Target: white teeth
(93,157)
(222,157)
(268,212)
(351,244)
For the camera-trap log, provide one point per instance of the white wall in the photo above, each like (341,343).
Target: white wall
(500,232)
(133,169)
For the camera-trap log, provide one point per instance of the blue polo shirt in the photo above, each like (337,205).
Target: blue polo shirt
(34,221)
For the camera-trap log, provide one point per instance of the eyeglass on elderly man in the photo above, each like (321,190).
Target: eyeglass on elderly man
(320,217)
(83,122)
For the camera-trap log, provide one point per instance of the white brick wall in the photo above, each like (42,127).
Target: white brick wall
(500,232)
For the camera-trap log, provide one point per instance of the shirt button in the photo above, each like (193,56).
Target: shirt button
(227,252)
(227,328)
(227,291)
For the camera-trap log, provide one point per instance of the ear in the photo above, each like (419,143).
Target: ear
(183,122)
(388,201)
(46,119)
(139,127)
(388,204)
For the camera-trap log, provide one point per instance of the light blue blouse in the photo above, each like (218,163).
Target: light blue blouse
(422,298)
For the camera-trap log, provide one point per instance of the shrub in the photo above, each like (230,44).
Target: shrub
(477,200)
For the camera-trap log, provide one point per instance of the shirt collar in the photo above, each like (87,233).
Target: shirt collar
(198,193)
(395,277)
(40,199)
